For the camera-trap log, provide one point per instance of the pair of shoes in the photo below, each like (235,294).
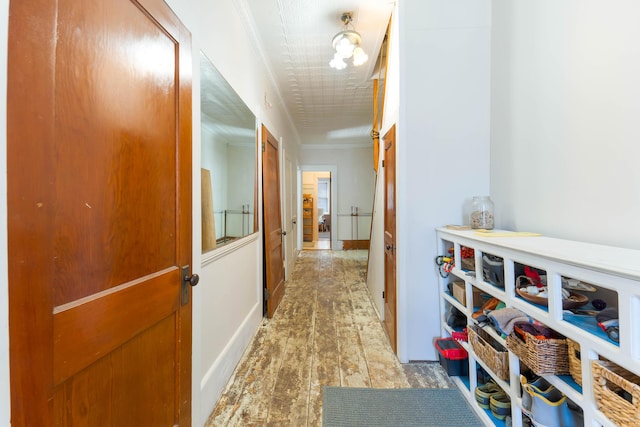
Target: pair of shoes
(547,406)
(500,405)
(484,392)
(539,386)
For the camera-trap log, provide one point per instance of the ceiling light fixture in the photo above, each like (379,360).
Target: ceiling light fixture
(347,44)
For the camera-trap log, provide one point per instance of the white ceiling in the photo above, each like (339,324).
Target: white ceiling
(326,105)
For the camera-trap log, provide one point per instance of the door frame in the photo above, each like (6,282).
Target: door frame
(333,170)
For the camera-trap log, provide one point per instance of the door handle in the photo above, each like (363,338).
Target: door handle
(192,280)
(188,281)
(284,233)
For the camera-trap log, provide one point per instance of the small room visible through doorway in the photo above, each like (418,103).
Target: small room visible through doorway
(316,210)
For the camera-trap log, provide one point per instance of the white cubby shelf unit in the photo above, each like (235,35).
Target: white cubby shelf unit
(614,272)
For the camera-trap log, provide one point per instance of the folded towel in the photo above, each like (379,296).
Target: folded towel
(504,319)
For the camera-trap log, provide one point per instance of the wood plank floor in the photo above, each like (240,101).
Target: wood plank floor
(325,332)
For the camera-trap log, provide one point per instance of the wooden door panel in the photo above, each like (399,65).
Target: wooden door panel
(390,307)
(104,322)
(111,166)
(99,202)
(274,267)
(80,401)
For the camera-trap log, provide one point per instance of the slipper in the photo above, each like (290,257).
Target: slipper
(500,405)
(484,392)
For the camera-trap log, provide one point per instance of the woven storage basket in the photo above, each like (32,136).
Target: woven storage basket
(497,361)
(610,379)
(543,356)
(575,365)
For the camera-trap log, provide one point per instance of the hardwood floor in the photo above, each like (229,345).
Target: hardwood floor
(325,332)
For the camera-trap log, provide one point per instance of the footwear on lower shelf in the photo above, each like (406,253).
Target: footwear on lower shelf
(500,405)
(547,405)
(484,392)
(540,386)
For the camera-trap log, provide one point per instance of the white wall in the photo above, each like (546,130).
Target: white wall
(4,280)
(565,109)
(227,306)
(442,147)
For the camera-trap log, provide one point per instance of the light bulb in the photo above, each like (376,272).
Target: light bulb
(338,62)
(344,47)
(359,56)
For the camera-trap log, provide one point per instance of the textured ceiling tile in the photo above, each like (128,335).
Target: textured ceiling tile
(296,35)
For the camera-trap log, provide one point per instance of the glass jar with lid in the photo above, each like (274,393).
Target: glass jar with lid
(481,213)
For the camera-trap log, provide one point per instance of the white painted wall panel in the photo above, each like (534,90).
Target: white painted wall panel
(443,148)
(227,310)
(565,107)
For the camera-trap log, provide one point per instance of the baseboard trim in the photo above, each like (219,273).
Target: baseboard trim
(217,376)
(355,244)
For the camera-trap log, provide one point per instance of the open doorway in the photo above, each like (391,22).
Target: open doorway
(316,210)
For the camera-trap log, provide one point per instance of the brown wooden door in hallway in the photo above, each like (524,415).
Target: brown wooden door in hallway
(390,311)
(99,214)
(273,261)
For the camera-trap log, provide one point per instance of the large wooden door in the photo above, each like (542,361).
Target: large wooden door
(389,141)
(274,267)
(290,236)
(99,214)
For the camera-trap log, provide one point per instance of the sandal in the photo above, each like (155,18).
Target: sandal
(500,405)
(484,392)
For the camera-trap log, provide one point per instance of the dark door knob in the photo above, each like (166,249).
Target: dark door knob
(284,233)
(192,280)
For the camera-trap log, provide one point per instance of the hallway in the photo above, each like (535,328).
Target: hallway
(325,332)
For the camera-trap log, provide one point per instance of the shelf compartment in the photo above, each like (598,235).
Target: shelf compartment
(617,393)
(544,356)
(467,259)
(496,421)
(453,357)
(459,292)
(590,325)
(585,317)
(529,277)
(574,386)
(491,352)
(482,379)
(454,315)
(493,270)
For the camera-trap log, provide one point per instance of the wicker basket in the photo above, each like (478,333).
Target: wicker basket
(575,364)
(496,360)
(609,380)
(543,356)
